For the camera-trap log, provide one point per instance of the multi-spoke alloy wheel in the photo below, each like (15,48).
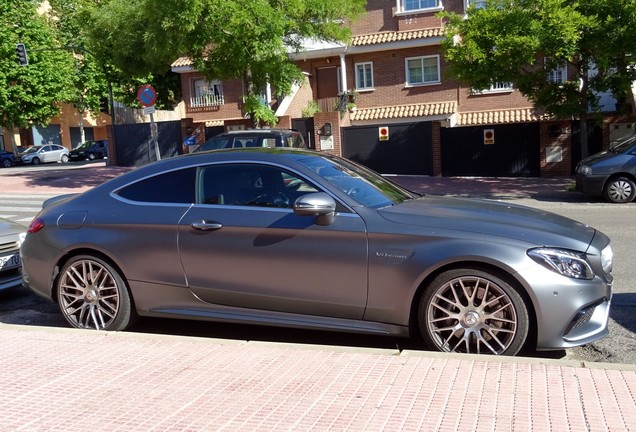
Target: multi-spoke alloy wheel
(92,295)
(620,190)
(471,311)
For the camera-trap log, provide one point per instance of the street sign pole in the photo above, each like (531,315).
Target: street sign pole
(147,96)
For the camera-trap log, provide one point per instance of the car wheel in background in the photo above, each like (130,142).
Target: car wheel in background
(619,190)
(91,156)
(93,295)
(35,161)
(472,311)
(64,158)
(6,163)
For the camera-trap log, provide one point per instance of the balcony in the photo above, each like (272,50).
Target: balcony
(208,100)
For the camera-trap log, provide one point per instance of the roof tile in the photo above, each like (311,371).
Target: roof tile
(403,111)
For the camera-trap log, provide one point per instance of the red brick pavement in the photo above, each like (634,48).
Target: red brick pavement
(72,380)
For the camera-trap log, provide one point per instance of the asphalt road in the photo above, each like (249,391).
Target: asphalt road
(20,306)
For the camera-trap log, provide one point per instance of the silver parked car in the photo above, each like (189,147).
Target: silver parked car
(11,238)
(44,153)
(290,237)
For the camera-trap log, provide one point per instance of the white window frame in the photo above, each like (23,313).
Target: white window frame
(401,9)
(479,3)
(366,67)
(553,75)
(206,93)
(410,83)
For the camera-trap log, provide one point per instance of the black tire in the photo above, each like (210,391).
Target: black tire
(93,295)
(35,161)
(91,156)
(7,163)
(619,190)
(64,159)
(473,311)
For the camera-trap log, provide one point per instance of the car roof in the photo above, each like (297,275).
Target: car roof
(257,132)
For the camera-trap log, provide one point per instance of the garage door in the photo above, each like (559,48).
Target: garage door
(407,149)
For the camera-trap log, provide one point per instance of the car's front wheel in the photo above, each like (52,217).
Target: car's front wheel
(6,163)
(620,190)
(35,161)
(472,311)
(93,295)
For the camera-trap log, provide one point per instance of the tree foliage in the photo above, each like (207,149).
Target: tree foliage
(28,94)
(520,41)
(89,81)
(249,40)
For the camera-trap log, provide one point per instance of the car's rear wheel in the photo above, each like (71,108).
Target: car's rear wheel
(6,163)
(472,311)
(91,156)
(64,158)
(620,190)
(93,295)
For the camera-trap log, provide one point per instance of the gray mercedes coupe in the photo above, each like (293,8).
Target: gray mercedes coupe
(295,238)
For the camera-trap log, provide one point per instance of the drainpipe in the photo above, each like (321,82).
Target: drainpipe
(343,73)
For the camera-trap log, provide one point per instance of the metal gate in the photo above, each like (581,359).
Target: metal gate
(406,150)
(494,151)
(134,146)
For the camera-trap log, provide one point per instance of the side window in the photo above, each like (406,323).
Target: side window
(172,187)
(250,185)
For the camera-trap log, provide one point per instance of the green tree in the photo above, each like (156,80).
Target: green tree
(29,94)
(90,84)
(248,40)
(521,41)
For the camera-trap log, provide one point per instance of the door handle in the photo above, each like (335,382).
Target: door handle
(206,226)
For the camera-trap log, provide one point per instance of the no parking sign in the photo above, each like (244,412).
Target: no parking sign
(383,133)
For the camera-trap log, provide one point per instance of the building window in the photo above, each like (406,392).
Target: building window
(364,76)
(206,93)
(557,75)
(498,87)
(479,4)
(422,70)
(418,5)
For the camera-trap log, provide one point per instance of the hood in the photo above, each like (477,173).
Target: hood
(492,218)
(602,157)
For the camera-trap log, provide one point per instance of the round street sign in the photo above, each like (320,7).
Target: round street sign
(146,95)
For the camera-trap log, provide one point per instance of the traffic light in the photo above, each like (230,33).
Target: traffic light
(21,52)
(103,105)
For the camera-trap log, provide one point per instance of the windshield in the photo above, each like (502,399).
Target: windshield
(32,149)
(363,185)
(622,147)
(215,144)
(87,144)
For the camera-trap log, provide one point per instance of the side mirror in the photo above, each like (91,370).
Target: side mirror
(320,205)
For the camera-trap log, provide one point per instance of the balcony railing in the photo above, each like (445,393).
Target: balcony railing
(206,101)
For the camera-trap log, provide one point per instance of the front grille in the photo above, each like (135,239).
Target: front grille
(9,247)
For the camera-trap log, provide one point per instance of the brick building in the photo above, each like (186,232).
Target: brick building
(391,106)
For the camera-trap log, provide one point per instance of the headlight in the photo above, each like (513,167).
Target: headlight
(584,169)
(565,262)
(607,259)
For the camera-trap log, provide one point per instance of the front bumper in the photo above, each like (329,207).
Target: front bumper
(569,312)
(590,185)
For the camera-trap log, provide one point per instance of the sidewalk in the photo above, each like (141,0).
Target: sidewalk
(72,380)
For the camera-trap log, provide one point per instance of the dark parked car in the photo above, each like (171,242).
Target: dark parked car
(7,159)
(11,238)
(610,174)
(90,150)
(295,238)
(255,138)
